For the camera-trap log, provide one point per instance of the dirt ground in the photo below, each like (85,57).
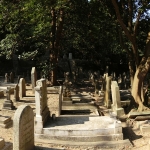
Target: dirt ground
(138,140)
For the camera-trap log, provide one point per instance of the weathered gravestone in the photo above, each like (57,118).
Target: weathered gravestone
(116,106)
(42,111)
(8,104)
(107,101)
(33,78)
(16,93)
(22,87)
(23,128)
(11,77)
(6,78)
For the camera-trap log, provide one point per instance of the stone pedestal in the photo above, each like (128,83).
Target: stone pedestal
(8,104)
(5,121)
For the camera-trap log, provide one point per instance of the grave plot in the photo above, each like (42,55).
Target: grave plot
(23,88)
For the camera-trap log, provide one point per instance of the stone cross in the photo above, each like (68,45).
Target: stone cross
(23,128)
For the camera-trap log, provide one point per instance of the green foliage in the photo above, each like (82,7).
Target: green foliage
(25,28)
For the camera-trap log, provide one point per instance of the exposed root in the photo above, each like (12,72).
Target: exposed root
(142,108)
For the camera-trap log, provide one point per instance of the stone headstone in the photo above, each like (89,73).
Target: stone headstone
(11,77)
(33,78)
(6,78)
(16,93)
(70,55)
(42,111)
(8,104)
(116,106)
(22,87)
(107,92)
(23,128)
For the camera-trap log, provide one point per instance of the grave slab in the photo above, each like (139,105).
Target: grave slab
(135,114)
(145,128)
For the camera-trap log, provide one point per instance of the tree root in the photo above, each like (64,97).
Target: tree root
(142,108)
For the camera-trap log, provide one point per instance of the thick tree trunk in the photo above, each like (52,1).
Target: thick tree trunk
(137,88)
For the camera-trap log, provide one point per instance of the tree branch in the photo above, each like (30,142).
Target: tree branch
(120,21)
(137,23)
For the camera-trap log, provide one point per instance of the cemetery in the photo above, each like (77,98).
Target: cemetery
(74,75)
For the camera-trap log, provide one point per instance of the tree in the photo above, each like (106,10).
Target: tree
(130,29)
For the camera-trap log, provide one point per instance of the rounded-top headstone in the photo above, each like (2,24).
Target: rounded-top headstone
(23,128)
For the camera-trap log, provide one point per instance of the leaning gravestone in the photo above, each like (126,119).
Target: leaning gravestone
(33,78)
(23,128)
(42,111)
(22,87)
(116,106)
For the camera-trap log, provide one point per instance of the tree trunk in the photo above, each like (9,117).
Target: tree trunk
(56,36)
(137,88)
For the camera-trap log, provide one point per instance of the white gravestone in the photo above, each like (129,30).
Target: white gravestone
(23,128)
(116,106)
(22,87)
(33,78)
(42,111)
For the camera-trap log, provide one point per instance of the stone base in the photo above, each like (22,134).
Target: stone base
(5,121)
(67,99)
(8,104)
(145,128)
(2,143)
(118,111)
(41,120)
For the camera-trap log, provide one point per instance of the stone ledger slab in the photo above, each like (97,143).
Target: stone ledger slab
(5,121)
(135,114)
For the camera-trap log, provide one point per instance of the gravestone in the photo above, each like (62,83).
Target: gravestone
(11,77)
(16,93)
(107,102)
(55,100)
(42,111)
(22,87)
(6,78)
(23,128)
(116,106)
(8,104)
(70,55)
(33,78)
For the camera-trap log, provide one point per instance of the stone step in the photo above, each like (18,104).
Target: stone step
(80,138)
(82,126)
(101,145)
